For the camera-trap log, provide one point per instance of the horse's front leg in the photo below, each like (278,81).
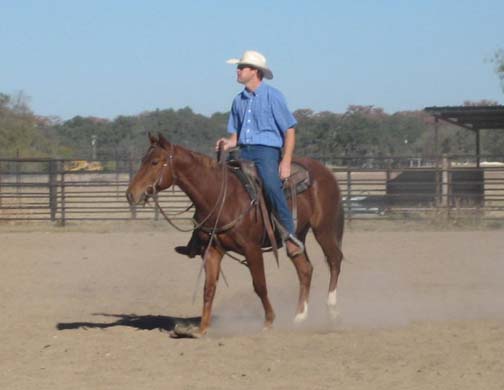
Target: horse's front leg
(255,263)
(212,261)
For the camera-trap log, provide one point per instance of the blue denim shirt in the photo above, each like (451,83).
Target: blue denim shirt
(260,117)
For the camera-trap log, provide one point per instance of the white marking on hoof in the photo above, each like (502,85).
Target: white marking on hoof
(300,317)
(332,298)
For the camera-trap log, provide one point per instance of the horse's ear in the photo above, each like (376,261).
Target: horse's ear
(152,139)
(163,142)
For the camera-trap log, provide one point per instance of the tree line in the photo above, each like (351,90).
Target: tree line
(361,131)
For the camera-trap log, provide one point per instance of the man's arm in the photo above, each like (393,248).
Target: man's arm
(289,144)
(227,143)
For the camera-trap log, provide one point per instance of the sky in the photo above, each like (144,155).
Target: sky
(107,58)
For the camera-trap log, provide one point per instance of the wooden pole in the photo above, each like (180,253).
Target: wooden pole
(444,182)
(63,203)
(478,152)
(349,194)
(53,199)
(131,173)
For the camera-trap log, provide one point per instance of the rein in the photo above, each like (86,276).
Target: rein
(218,204)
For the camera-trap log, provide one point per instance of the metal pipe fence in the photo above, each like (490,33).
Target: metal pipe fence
(58,191)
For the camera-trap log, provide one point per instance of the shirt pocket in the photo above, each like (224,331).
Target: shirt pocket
(265,120)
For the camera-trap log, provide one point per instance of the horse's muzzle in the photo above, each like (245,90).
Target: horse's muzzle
(132,200)
(130,197)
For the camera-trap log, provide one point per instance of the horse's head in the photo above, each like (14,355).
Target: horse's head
(155,173)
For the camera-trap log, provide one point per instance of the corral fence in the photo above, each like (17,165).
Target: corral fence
(379,188)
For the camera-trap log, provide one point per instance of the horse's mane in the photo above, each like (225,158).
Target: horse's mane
(200,158)
(203,159)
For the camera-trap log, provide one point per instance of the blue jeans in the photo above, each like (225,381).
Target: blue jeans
(267,160)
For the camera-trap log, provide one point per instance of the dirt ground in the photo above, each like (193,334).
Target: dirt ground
(93,310)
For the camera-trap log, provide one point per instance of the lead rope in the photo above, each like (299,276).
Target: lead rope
(212,234)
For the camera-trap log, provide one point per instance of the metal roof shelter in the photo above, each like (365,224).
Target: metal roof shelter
(474,118)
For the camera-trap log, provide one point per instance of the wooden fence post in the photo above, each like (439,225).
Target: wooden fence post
(349,194)
(132,207)
(53,191)
(63,204)
(156,210)
(438,183)
(388,176)
(117,173)
(18,178)
(445,165)
(445,186)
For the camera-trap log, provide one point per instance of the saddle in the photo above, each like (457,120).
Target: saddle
(298,182)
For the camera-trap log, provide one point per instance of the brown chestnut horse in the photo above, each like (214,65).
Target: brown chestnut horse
(200,177)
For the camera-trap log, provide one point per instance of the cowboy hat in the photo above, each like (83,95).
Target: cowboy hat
(254,59)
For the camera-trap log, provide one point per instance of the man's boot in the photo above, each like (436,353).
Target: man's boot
(192,249)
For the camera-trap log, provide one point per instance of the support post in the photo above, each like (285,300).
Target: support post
(438,178)
(156,210)
(445,187)
(349,194)
(388,176)
(131,173)
(63,200)
(478,148)
(53,191)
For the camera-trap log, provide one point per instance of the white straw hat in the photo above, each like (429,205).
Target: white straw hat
(254,59)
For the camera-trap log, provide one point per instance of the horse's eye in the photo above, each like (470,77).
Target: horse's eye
(155,162)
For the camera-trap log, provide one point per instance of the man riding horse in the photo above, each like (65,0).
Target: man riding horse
(260,124)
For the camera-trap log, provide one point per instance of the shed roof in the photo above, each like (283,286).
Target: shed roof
(471,117)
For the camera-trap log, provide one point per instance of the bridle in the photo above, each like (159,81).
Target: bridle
(218,206)
(159,179)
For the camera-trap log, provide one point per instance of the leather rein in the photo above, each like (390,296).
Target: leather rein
(218,206)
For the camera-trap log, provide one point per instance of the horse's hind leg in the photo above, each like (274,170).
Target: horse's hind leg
(304,271)
(331,246)
(255,263)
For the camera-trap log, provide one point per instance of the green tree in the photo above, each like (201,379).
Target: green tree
(20,129)
(498,59)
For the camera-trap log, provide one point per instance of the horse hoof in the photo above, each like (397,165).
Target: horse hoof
(300,318)
(302,315)
(185,331)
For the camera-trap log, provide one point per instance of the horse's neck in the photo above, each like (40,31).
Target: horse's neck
(198,177)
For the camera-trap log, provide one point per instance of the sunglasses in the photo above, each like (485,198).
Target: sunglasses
(243,66)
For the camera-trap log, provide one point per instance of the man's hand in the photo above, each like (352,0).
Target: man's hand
(284,169)
(225,143)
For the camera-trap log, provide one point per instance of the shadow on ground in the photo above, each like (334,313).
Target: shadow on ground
(146,322)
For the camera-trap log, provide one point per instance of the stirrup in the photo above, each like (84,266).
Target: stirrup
(298,243)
